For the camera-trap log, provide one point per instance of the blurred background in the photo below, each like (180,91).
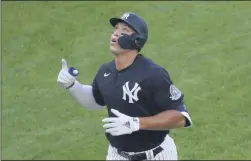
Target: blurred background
(203,45)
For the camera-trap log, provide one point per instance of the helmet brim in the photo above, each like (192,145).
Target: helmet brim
(115,21)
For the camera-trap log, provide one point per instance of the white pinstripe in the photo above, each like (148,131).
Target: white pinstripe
(169,152)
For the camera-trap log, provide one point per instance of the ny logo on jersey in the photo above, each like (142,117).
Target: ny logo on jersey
(132,94)
(125,16)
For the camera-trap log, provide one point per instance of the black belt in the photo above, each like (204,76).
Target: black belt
(139,156)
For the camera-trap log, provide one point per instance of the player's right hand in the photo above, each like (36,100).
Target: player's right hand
(65,79)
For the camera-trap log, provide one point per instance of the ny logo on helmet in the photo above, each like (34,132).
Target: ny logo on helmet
(132,94)
(125,16)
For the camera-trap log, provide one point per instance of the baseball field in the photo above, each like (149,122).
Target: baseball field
(203,45)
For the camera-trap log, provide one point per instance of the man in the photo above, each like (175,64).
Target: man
(143,104)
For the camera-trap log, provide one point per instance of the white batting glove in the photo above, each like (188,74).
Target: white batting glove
(65,79)
(120,125)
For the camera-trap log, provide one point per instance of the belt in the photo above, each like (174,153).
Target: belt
(139,156)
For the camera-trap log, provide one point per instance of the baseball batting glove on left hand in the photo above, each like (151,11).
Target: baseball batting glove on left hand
(121,125)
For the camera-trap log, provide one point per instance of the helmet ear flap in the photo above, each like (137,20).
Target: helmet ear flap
(139,41)
(127,41)
(133,41)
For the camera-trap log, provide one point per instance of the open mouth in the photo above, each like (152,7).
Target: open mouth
(113,41)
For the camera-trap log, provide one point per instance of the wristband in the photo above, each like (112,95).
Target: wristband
(71,85)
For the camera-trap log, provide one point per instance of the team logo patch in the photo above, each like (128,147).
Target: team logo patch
(131,93)
(175,93)
(125,16)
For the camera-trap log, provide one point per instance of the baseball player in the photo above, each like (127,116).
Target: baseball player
(142,102)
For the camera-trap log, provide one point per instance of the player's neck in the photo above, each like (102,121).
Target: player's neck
(124,60)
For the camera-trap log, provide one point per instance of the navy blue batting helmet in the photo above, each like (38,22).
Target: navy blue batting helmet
(136,40)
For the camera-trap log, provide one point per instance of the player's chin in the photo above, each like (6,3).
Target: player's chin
(115,49)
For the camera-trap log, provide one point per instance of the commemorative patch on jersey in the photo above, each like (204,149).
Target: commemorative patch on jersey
(175,93)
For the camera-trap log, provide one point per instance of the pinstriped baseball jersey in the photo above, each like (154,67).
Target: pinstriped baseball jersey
(143,89)
(169,152)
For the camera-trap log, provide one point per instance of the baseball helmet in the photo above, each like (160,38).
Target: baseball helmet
(136,40)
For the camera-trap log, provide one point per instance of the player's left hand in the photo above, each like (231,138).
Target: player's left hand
(120,125)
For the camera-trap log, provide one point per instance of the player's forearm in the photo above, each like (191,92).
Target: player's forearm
(83,95)
(163,121)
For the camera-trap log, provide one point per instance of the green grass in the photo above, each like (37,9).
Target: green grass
(203,45)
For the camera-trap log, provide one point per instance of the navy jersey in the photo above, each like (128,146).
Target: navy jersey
(140,90)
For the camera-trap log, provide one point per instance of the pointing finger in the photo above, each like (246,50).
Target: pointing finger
(64,64)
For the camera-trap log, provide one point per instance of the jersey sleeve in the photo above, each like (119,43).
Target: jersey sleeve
(167,96)
(96,91)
